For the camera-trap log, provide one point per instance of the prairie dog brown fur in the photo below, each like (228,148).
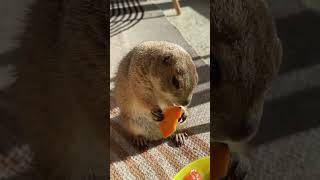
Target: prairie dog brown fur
(246,58)
(62,66)
(151,77)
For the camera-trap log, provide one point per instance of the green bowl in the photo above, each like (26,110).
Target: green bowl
(201,165)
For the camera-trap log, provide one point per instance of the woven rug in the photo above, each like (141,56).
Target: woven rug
(162,160)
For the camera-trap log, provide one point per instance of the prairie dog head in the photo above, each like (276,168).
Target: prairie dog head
(246,57)
(172,73)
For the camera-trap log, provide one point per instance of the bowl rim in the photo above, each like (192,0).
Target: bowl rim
(179,173)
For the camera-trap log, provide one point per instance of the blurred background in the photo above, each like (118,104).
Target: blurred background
(289,137)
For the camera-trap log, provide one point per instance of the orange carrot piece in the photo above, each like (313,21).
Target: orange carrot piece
(221,158)
(168,124)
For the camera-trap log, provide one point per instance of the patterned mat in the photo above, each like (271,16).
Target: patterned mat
(161,161)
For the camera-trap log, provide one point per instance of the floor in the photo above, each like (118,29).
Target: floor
(193,23)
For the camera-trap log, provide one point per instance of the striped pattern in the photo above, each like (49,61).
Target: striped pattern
(124,14)
(160,161)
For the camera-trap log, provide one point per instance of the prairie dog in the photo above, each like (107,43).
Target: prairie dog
(246,58)
(151,77)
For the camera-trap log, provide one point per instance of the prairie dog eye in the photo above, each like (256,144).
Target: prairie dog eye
(175,82)
(167,60)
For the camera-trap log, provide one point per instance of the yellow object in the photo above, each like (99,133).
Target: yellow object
(221,158)
(169,123)
(201,165)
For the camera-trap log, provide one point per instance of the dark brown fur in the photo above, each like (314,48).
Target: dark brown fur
(247,54)
(60,93)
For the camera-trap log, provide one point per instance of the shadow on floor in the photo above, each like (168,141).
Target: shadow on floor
(124,154)
(300,39)
(298,112)
(201,6)
(124,15)
(290,115)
